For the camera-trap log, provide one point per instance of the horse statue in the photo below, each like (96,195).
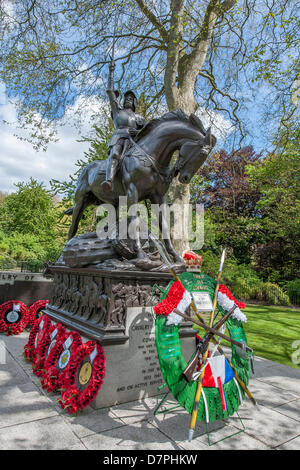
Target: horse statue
(144,170)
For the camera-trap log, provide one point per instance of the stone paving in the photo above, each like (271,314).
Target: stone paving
(31,418)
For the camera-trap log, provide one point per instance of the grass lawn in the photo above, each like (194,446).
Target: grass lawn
(271,332)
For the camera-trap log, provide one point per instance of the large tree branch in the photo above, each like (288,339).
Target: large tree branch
(191,64)
(151,17)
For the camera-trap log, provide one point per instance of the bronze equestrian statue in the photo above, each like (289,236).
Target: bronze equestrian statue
(138,164)
(127,124)
(144,171)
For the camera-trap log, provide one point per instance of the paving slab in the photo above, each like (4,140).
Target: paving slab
(268,425)
(269,395)
(23,403)
(135,411)
(175,425)
(31,418)
(290,409)
(15,343)
(293,444)
(261,365)
(91,421)
(11,373)
(284,377)
(224,438)
(135,436)
(45,434)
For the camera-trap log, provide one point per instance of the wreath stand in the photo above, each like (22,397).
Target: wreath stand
(164,397)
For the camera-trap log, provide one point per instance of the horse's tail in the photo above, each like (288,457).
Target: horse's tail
(69,211)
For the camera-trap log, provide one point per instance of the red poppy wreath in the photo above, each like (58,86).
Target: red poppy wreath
(14,317)
(36,336)
(57,338)
(84,377)
(44,347)
(58,360)
(35,310)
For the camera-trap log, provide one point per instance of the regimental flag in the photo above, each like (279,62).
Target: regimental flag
(217,373)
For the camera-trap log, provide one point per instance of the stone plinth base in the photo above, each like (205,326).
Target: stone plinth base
(94,302)
(132,369)
(114,308)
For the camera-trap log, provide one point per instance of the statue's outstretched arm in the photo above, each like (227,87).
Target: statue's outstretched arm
(110,89)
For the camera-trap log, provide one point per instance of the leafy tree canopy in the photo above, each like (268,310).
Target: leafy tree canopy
(28,221)
(219,55)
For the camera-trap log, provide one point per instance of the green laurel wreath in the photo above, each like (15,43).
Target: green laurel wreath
(172,362)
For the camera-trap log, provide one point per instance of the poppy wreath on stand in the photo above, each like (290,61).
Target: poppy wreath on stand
(36,336)
(84,377)
(57,337)
(44,339)
(35,310)
(59,359)
(14,317)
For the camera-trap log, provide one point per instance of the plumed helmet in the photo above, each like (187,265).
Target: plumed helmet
(135,101)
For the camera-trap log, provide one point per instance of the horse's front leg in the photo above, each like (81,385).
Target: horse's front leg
(134,226)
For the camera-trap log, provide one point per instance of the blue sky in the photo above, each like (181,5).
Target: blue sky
(19,161)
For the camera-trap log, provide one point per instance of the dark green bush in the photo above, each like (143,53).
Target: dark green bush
(293,289)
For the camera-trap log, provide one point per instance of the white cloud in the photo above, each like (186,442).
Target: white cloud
(19,161)
(220,126)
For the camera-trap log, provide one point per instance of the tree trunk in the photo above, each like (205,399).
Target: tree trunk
(181,72)
(180,193)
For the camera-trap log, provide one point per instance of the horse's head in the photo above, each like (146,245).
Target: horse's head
(192,155)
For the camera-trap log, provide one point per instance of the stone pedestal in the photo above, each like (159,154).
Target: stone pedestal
(132,369)
(114,308)
(94,302)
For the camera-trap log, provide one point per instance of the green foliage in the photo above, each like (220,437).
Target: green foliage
(293,289)
(234,274)
(98,150)
(30,210)
(270,293)
(28,225)
(22,246)
(279,205)
(223,186)
(7,263)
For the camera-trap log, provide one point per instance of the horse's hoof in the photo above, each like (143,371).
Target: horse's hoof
(179,268)
(145,264)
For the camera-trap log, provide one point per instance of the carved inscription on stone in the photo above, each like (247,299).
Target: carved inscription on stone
(143,373)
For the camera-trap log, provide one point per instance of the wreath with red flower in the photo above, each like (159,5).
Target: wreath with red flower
(36,309)
(83,378)
(36,336)
(42,343)
(57,338)
(59,359)
(14,317)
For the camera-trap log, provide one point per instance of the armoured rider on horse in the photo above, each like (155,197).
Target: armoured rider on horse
(127,124)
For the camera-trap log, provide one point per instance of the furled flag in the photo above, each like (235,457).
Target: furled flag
(217,373)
